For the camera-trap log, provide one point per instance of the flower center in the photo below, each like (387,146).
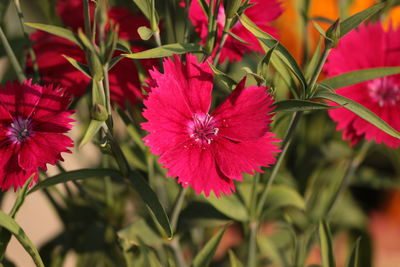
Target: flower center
(384,91)
(202,128)
(19,130)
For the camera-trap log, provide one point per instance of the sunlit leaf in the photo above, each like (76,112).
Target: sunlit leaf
(91,131)
(358,76)
(166,51)
(230,206)
(59,31)
(281,196)
(8,223)
(79,66)
(360,110)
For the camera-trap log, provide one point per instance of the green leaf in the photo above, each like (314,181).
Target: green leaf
(136,233)
(58,31)
(79,66)
(260,80)
(204,257)
(352,22)
(237,38)
(294,105)
(91,131)
(223,77)
(311,66)
(281,196)
(262,67)
(269,249)
(360,110)
(148,9)
(73,176)
(230,206)
(358,76)
(233,259)
(8,223)
(353,260)
(268,41)
(166,51)
(145,33)
(325,239)
(151,200)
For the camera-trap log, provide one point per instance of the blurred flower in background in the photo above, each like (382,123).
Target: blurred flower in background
(54,68)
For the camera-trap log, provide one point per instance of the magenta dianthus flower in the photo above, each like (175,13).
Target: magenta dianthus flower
(33,123)
(262,14)
(368,47)
(207,151)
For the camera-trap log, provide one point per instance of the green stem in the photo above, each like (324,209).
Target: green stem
(86,15)
(26,36)
(252,252)
(177,208)
(13,59)
(286,142)
(353,166)
(253,196)
(106,84)
(317,71)
(176,248)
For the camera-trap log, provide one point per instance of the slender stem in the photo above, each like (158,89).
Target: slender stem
(106,83)
(13,59)
(157,38)
(176,248)
(221,45)
(253,196)
(352,167)
(252,252)
(26,36)
(86,15)
(177,208)
(286,142)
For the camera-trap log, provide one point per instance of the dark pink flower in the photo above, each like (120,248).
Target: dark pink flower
(368,47)
(207,151)
(262,13)
(33,123)
(55,69)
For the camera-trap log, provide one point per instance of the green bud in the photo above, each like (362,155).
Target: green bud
(99,112)
(333,35)
(231,7)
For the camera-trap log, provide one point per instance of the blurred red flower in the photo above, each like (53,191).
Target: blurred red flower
(262,13)
(54,68)
(368,47)
(33,123)
(207,150)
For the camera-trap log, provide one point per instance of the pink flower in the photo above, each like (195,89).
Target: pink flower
(33,123)
(262,13)
(55,69)
(369,47)
(207,151)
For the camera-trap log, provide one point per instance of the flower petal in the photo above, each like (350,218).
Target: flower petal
(196,167)
(244,114)
(234,158)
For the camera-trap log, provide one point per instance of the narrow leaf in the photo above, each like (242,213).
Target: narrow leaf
(166,51)
(223,77)
(153,203)
(352,22)
(73,176)
(138,232)
(79,66)
(237,38)
(91,131)
(294,105)
(145,33)
(8,223)
(281,196)
(325,239)
(358,76)
(229,206)
(353,260)
(204,257)
(360,110)
(233,259)
(59,31)
(280,50)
